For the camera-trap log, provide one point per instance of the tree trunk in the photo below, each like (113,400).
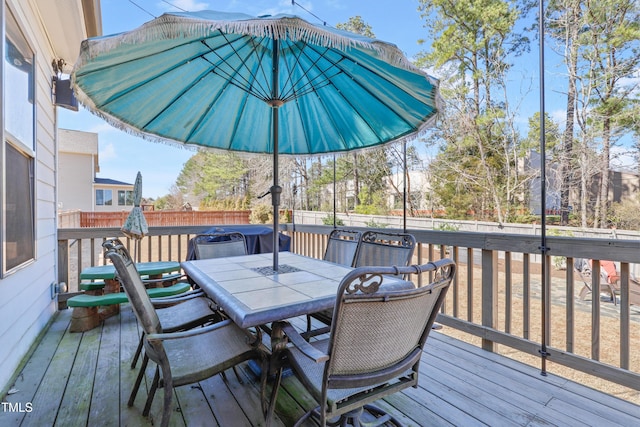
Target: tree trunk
(604,182)
(356,181)
(566,172)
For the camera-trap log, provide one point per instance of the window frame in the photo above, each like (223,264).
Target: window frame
(26,148)
(104,191)
(127,197)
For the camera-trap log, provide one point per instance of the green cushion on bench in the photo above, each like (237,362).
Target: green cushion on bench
(97,300)
(120,297)
(92,286)
(178,288)
(165,277)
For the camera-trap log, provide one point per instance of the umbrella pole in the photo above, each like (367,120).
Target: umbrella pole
(276,189)
(543,205)
(404,187)
(334,192)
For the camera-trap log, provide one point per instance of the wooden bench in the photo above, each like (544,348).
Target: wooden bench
(85,307)
(94,286)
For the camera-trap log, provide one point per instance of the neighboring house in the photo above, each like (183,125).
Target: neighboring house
(37,33)
(418,190)
(77,168)
(623,185)
(112,196)
(417,186)
(78,186)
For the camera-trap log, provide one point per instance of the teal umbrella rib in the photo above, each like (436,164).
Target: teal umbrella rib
(262,93)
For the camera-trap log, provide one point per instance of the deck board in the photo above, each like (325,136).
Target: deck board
(84,379)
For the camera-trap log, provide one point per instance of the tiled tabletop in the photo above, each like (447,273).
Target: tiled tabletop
(252,294)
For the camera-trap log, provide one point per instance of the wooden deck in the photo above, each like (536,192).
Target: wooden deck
(83,379)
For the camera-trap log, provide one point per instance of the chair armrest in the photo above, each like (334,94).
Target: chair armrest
(253,340)
(296,339)
(188,333)
(161,302)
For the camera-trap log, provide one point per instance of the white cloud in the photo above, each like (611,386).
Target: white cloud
(623,158)
(188,5)
(108,152)
(559,116)
(101,127)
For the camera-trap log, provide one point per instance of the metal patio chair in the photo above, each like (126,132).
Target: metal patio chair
(341,249)
(342,246)
(184,357)
(377,248)
(384,248)
(374,348)
(219,245)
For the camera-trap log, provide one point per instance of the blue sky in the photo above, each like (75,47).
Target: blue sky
(394,21)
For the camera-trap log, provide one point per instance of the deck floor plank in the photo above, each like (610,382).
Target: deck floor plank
(74,412)
(130,416)
(105,410)
(53,385)
(223,404)
(34,370)
(522,402)
(78,379)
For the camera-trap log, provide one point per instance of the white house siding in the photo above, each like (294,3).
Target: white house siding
(75,178)
(26,305)
(77,167)
(114,207)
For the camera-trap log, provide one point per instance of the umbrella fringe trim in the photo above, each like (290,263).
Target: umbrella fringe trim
(86,102)
(170,26)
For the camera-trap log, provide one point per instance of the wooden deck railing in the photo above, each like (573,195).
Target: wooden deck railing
(496,295)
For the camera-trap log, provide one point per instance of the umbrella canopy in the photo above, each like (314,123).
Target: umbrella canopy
(135,226)
(274,84)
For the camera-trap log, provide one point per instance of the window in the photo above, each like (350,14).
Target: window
(19,227)
(18,154)
(125,198)
(18,85)
(104,197)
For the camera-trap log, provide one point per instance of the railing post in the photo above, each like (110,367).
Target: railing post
(489,294)
(63,261)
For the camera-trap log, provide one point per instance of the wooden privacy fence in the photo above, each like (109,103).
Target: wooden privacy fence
(165,218)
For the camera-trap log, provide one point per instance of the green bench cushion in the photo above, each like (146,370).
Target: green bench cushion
(178,288)
(120,297)
(92,286)
(165,277)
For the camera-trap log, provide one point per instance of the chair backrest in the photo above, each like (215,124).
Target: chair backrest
(219,245)
(608,270)
(379,334)
(382,248)
(133,286)
(342,246)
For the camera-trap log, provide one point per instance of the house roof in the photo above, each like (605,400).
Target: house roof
(108,181)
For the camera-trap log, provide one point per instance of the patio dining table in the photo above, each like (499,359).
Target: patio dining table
(252,294)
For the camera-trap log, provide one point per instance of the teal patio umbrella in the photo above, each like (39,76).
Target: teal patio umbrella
(272,84)
(135,226)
